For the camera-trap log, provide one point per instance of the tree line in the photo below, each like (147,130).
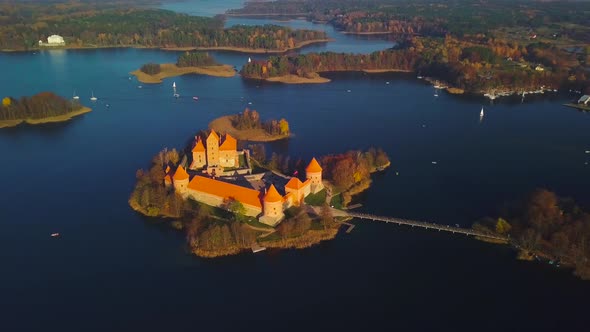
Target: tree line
(39,106)
(195,59)
(107,26)
(250,119)
(548,225)
(478,64)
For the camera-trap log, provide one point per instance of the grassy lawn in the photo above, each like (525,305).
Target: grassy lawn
(255,223)
(272,237)
(337,201)
(316,199)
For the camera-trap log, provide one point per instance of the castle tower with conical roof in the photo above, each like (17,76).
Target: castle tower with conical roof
(272,203)
(180,180)
(313,172)
(199,158)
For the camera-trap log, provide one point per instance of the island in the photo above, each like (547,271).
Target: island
(44,107)
(545,227)
(33,26)
(228,200)
(187,63)
(492,49)
(247,126)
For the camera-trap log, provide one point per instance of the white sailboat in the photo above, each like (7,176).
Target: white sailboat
(75,97)
(93,98)
(176,95)
(481,113)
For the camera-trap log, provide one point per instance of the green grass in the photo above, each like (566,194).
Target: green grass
(255,223)
(272,237)
(317,199)
(336,201)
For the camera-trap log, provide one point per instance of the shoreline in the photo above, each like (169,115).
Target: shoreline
(248,50)
(180,48)
(223,125)
(172,70)
(296,79)
(51,119)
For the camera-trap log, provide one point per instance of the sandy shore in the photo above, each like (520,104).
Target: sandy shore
(59,118)
(376,71)
(248,50)
(295,79)
(224,125)
(171,70)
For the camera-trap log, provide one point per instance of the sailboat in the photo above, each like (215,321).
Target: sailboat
(75,97)
(481,113)
(93,98)
(174,87)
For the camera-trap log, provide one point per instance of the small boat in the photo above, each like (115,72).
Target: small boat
(434,162)
(387,82)
(481,113)
(176,95)
(93,98)
(54,234)
(436,94)
(419,77)
(249,103)
(347,90)
(139,87)
(75,97)
(174,85)
(195,98)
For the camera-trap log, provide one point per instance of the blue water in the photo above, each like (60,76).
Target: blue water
(113,270)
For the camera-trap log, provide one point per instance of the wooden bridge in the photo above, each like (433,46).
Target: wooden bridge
(426,225)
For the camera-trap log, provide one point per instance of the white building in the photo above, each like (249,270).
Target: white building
(53,40)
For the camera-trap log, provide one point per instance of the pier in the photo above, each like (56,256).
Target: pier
(424,225)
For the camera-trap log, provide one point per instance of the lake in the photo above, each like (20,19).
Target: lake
(113,270)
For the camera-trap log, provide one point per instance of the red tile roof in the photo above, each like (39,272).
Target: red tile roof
(229,144)
(214,134)
(180,174)
(313,167)
(226,190)
(199,147)
(272,195)
(294,183)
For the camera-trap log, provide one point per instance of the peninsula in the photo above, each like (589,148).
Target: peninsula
(187,63)
(41,108)
(546,227)
(247,126)
(229,200)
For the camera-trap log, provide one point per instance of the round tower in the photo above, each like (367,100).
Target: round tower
(273,203)
(180,180)
(313,172)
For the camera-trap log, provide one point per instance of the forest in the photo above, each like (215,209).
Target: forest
(546,225)
(84,25)
(195,59)
(570,21)
(250,119)
(475,65)
(39,106)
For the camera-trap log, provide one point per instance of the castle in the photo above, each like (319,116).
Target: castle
(266,203)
